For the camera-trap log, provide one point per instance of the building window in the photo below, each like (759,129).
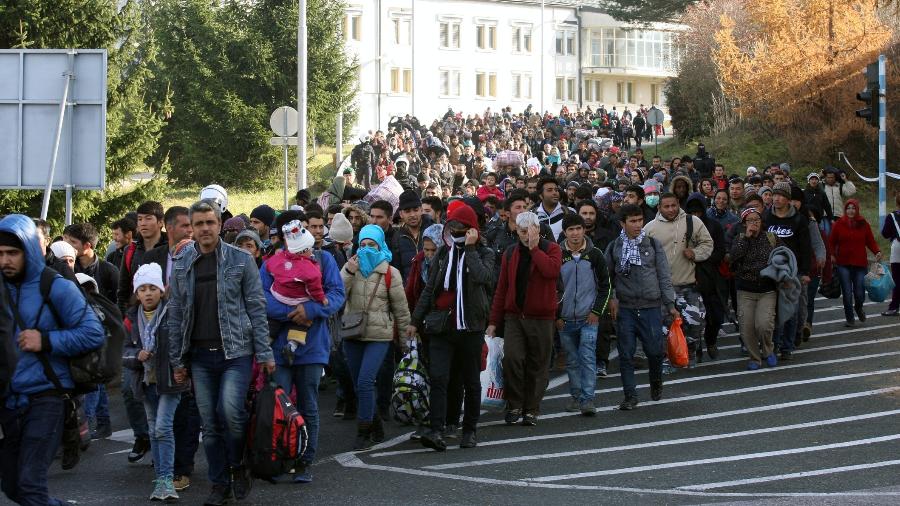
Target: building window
(613,47)
(486,84)
(449,34)
(401,80)
(625,92)
(402,31)
(565,43)
(565,89)
(588,91)
(521,85)
(486,37)
(570,89)
(560,89)
(593,90)
(598,91)
(654,94)
(521,39)
(450,82)
(352,26)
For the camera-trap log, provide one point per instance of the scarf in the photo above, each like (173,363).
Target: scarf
(454,279)
(369,258)
(631,253)
(147,330)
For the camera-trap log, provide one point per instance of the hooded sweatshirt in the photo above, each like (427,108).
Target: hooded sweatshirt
(850,238)
(793,230)
(671,235)
(78,331)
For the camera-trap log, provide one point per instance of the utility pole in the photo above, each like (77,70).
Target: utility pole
(882,139)
(301,95)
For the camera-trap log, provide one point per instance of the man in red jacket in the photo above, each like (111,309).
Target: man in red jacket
(525,303)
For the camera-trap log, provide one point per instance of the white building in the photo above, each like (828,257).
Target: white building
(469,55)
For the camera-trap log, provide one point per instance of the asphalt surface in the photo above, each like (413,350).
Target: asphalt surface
(821,429)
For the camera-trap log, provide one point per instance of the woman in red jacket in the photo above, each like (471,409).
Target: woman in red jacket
(849,238)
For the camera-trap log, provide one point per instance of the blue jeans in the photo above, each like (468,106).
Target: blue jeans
(784,336)
(160,416)
(580,341)
(220,387)
(365,359)
(646,325)
(137,417)
(306,378)
(853,288)
(32,435)
(96,405)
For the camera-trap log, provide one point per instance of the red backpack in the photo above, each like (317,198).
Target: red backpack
(277,435)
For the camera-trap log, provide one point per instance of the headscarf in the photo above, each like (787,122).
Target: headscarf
(434,233)
(859,217)
(370,258)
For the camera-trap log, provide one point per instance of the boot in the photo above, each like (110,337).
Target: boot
(377,433)
(363,436)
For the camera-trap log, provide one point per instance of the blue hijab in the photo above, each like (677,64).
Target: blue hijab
(369,257)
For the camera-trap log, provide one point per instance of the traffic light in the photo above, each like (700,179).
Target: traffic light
(870,96)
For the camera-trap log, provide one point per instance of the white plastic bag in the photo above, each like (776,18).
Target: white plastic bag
(492,375)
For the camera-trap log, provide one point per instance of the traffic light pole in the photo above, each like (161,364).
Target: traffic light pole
(882,140)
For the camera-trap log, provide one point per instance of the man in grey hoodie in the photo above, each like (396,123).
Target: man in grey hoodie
(642,285)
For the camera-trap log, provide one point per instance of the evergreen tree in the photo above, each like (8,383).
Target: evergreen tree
(133,123)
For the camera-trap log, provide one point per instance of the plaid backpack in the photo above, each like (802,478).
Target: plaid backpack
(409,400)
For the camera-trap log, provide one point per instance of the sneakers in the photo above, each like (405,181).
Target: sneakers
(588,408)
(417,435)
(807,331)
(529,420)
(668,369)
(860,313)
(449,431)
(241,483)
(786,356)
(601,370)
(302,474)
(573,406)
(753,366)
(102,430)
(139,450)
(771,361)
(181,483)
(850,324)
(628,404)
(891,312)
(512,416)
(713,351)
(164,490)
(219,494)
(432,439)
(468,439)
(656,388)
(363,436)
(338,409)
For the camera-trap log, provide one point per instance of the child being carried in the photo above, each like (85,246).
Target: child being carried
(296,279)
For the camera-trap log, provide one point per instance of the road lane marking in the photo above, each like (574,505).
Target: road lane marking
(741,373)
(658,423)
(670,442)
(716,460)
(791,476)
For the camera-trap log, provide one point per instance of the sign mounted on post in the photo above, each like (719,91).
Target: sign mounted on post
(53,121)
(284,123)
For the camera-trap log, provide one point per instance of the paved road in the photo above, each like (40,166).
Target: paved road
(821,429)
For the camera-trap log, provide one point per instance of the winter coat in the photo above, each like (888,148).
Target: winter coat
(850,238)
(671,235)
(793,230)
(404,246)
(816,197)
(709,281)
(386,312)
(318,335)
(105,274)
(646,285)
(836,195)
(164,377)
(79,331)
(749,256)
(541,297)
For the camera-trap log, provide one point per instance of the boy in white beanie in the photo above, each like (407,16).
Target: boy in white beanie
(65,252)
(296,279)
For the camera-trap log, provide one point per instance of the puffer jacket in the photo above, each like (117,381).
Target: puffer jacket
(78,332)
(386,311)
(164,377)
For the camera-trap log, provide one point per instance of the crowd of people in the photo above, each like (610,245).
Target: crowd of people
(532,227)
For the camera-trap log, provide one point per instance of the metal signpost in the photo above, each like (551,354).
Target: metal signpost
(284,123)
(58,91)
(882,139)
(655,117)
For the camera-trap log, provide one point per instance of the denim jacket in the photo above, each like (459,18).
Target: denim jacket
(241,303)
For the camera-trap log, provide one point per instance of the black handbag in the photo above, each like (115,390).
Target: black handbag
(436,321)
(354,324)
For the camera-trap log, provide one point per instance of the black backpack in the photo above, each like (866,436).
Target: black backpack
(98,366)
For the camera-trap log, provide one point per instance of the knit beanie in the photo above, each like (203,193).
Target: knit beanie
(62,249)
(341,230)
(782,188)
(297,238)
(148,274)
(264,214)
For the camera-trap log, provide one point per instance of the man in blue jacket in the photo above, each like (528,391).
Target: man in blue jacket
(32,409)
(217,324)
(305,370)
